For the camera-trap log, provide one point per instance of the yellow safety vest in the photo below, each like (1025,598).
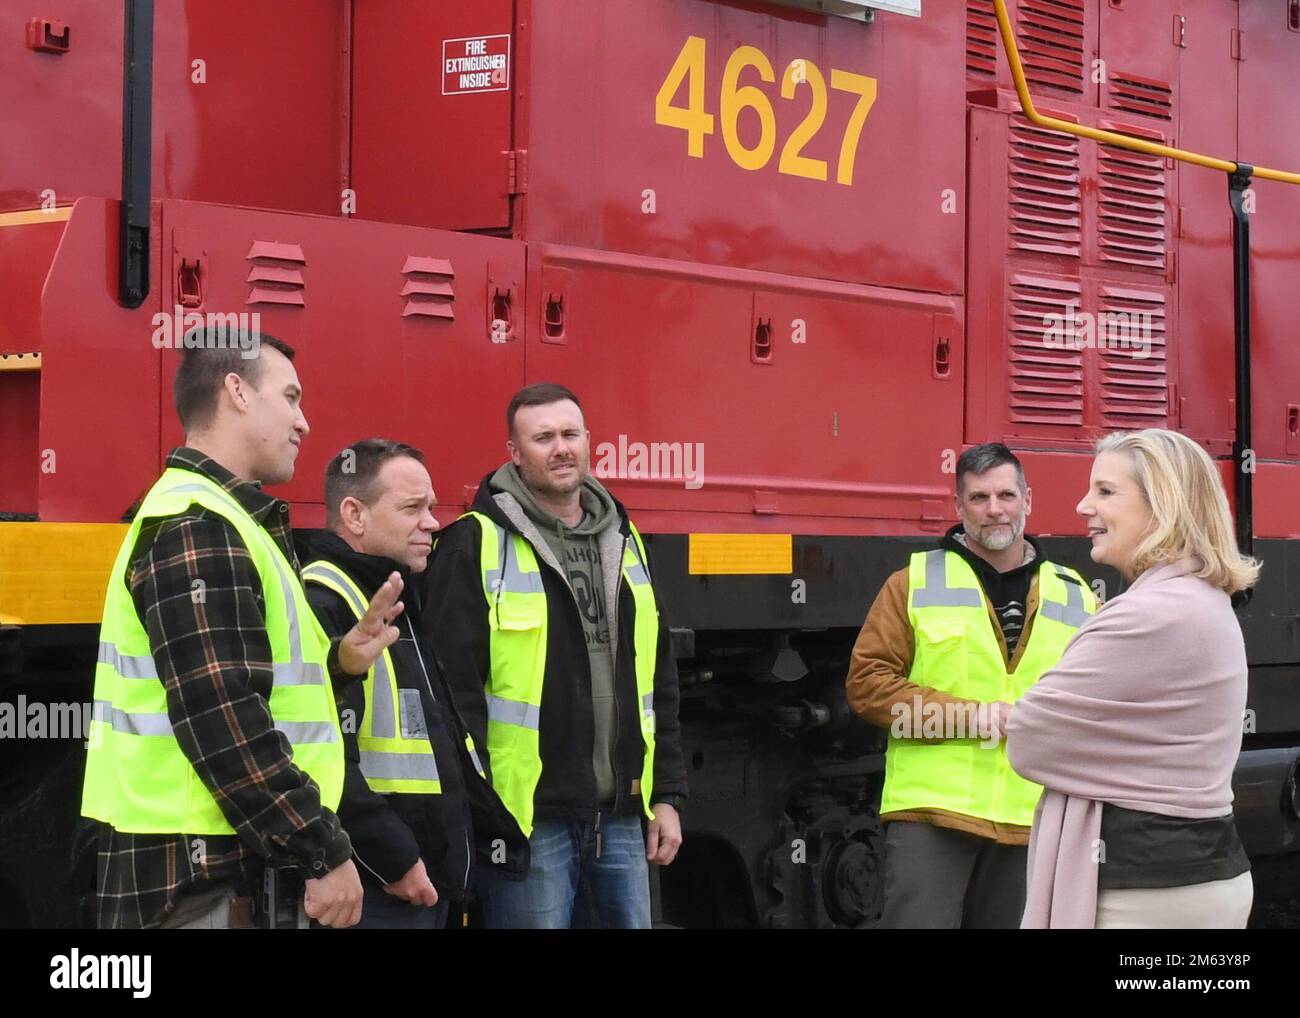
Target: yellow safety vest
(518,623)
(137,777)
(957,652)
(394,745)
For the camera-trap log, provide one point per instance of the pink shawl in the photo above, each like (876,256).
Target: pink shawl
(1144,710)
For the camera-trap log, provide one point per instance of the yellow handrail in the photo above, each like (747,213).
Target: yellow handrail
(1110,137)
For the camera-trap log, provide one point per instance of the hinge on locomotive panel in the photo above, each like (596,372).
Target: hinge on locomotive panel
(1237,44)
(516,171)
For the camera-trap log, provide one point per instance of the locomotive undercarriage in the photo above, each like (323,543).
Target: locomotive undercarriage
(781,818)
(782,829)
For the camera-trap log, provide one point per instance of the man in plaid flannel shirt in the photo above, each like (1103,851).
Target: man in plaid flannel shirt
(243,425)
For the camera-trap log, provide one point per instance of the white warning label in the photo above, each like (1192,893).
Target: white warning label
(480,63)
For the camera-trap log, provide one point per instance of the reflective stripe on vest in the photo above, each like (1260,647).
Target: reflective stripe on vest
(512,712)
(518,623)
(138,667)
(936,593)
(140,723)
(137,778)
(1073,613)
(396,755)
(295,671)
(957,652)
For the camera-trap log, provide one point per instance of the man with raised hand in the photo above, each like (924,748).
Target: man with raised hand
(412,781)
(215,754)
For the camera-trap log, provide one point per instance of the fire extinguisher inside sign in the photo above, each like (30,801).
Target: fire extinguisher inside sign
(480,63)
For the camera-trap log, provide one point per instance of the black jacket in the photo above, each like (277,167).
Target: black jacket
(1008,592)
(458,625)
(389,832)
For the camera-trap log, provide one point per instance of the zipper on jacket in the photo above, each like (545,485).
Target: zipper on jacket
(612,615)
(505,562)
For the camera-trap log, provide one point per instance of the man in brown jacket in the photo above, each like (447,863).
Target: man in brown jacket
(948,644)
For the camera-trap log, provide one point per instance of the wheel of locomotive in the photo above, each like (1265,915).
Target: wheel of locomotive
(852,879)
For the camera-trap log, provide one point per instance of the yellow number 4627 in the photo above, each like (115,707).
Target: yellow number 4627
(697,123)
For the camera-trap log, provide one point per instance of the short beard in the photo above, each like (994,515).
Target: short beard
(546,486)
(996,543)
(562,489)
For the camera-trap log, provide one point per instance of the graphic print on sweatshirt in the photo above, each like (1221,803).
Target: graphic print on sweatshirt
(1012,617)
(583,564)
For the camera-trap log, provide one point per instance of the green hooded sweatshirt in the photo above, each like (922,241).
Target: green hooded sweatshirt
(578,550)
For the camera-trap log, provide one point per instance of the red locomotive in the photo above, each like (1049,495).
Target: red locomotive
(793,261)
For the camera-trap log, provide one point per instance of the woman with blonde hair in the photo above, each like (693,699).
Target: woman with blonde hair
(1135,733)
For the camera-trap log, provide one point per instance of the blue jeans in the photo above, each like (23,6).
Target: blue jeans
(569,886)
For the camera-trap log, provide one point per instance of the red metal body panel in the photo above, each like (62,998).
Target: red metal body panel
(369,365)
(63,112)
(594,147)
(1269,133)
(20,410)
(267,127)
(846,419)
(652,315)
(99,376)
(1277,493)
(1058,42)
(370,362)
(1207,122)
(1044,253)
(25,255)
(26,251)
(1141,53)
(419,156)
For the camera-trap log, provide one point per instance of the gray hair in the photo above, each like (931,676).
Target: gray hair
(980,459)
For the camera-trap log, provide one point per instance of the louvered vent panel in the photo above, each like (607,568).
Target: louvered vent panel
(1131,208)
(1051,43)
(1044,382)
(427,290)
(981,38)
(1130,341)
(1147,96)
(1043,191)
(275,275)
